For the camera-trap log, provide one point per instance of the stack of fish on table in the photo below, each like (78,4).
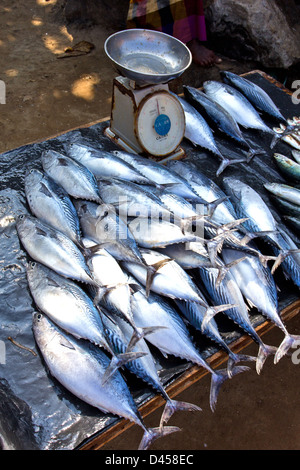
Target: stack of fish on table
(113,238)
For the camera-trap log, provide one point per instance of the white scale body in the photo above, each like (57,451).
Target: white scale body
(146,120)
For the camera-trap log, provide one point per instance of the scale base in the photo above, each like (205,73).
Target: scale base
(178,153)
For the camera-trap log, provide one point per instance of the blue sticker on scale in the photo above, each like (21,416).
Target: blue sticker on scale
(162,124)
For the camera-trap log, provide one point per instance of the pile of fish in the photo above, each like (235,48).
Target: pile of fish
(231,106)
(115,240)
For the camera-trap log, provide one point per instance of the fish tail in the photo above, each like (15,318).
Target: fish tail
(151,271)
(217,379)
(263,352)
(172,406)
(140,333)
(211,312)
(275,139)
(235,358)
(290,341)
(151,434)
(253,152)
(226,162)
(118,361)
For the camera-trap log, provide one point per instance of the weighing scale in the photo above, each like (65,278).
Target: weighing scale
(146,118)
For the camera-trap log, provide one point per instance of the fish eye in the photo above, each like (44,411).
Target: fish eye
(21,216)
(33,264)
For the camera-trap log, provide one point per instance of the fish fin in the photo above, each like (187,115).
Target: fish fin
(290,341)
(151,434)
(211,206)
(263,352)
(64,342)
(172,406)
(250,236)
(235,358)
(217,379)
(226,162)
(118,361)
(281,257)
(252,153)
(140,333)
(212,311)
(152,270)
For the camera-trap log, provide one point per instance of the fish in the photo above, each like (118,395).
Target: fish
(75,178)
(155,233)
(187,255)
(169,279)
(286,207)
(195,314)
(258,287)
(104,164)
(49,202)
(175,338)
(284,191)
(249,203)
(101,224)
(198,132)
(288,167)
(218,115)
(52,248)
(159,175)
(294,222)
(145,368)
(228,292)
(238,106)
(254,93)
(132,200)
(66,304)
(291,137)
(64,355)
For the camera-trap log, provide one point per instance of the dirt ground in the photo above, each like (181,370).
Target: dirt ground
(47,95)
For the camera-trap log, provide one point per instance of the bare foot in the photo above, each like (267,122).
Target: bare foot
(201,55)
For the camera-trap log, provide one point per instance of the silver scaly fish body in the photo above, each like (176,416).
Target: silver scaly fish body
(109,275)
(236,104)
(169,280)
(254,93)
(53,249)
(284,191)
(50,203)
(104,164)
(80,367)
(187,255)
(155,233)
(101,224)
(66,304)
(74,177)
(145,368)
(224,120)
(197,130)
(206,189)
(255,282)
(131,199)
(260,219)
(228,292)
(175,338)
(159,174)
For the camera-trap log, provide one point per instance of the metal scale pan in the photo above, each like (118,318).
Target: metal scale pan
(147,57)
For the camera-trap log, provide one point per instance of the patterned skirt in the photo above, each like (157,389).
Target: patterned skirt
(183,19)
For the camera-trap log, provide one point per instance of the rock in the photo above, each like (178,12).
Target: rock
(258,30)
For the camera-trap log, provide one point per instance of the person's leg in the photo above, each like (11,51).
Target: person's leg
(183,19)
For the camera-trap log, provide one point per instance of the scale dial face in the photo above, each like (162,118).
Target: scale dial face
(160,123)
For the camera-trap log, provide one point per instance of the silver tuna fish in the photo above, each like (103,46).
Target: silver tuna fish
(175,338)
(74,177)
(80,367)
(50,203)
(53,249)
(104,164)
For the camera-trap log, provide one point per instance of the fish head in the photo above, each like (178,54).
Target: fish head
(33,177)
(24,225)
(212,86)
(51,158)
(43,329)
(35,274)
